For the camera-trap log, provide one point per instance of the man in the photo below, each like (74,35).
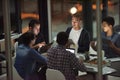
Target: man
(111,43)
(110,39)
(34,26)
(62,60)
(78,34)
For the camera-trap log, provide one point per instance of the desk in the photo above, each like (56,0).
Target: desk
(93,69)
(115,64)
(106,71)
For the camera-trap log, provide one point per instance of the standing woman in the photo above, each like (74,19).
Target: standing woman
(26,58)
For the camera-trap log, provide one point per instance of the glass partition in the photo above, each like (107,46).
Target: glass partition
(61,16)
(29,10)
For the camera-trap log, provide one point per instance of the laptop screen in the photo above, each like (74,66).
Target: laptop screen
(71,50)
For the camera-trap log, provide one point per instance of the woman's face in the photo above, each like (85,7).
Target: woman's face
(106,27)
(75,22)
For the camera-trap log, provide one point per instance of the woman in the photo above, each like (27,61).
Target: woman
(26,58)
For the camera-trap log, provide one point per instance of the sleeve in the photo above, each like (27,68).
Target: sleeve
(84,46)
(75,63)
(40,38)
(36,56)
(118,42)
(68,30)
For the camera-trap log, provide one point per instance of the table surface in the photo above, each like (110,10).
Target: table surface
(94,69)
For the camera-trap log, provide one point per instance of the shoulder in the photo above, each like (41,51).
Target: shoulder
(52,49)
(40,35)
(118,37)
(84,31)
(68,29)
(32,51)
(69,54)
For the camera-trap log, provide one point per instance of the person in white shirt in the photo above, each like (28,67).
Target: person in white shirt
(78,34)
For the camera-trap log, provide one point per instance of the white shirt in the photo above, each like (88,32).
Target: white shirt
(74,35)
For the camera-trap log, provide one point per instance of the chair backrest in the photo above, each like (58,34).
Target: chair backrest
(52,74)
(15,47)
(16,76)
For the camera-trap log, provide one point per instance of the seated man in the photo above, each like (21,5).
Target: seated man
(34,26)
(26,58)
(111,42)
(110,39)
(61,59)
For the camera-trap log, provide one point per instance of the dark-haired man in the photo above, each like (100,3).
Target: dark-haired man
(110,39)
(111,43)
(61,59)
(34,26)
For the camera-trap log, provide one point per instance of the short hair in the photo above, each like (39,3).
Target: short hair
(33,22)
(62,38)
(109,20)
(77,15)
(26,38)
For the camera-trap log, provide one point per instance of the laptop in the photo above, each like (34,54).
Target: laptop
(71,50)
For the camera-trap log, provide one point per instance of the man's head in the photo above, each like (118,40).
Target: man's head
(76,20)
(34,26)
(62,38)
(28,39)
(107,23)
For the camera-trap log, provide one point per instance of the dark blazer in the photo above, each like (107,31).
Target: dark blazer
(83,42)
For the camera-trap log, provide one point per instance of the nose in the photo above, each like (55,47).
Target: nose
(73,22)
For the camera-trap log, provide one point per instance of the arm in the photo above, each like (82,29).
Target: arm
(84,42)
(68,30)
(40,41)
(35,55)
(75,63)
(92,44)
(39,45)
(116,47)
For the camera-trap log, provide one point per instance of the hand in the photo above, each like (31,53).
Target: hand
(93,45)
(110,43)
(41,44)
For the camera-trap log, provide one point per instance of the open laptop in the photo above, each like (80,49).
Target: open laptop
(71,50)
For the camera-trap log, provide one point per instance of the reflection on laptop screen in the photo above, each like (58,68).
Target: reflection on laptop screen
(71,50)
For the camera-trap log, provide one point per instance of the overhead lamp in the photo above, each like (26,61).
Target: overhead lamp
(73,10)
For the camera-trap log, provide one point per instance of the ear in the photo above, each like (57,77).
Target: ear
(30,28)
(111,26)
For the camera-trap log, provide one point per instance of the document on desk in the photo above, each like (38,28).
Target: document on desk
(106,70)
(114,59)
